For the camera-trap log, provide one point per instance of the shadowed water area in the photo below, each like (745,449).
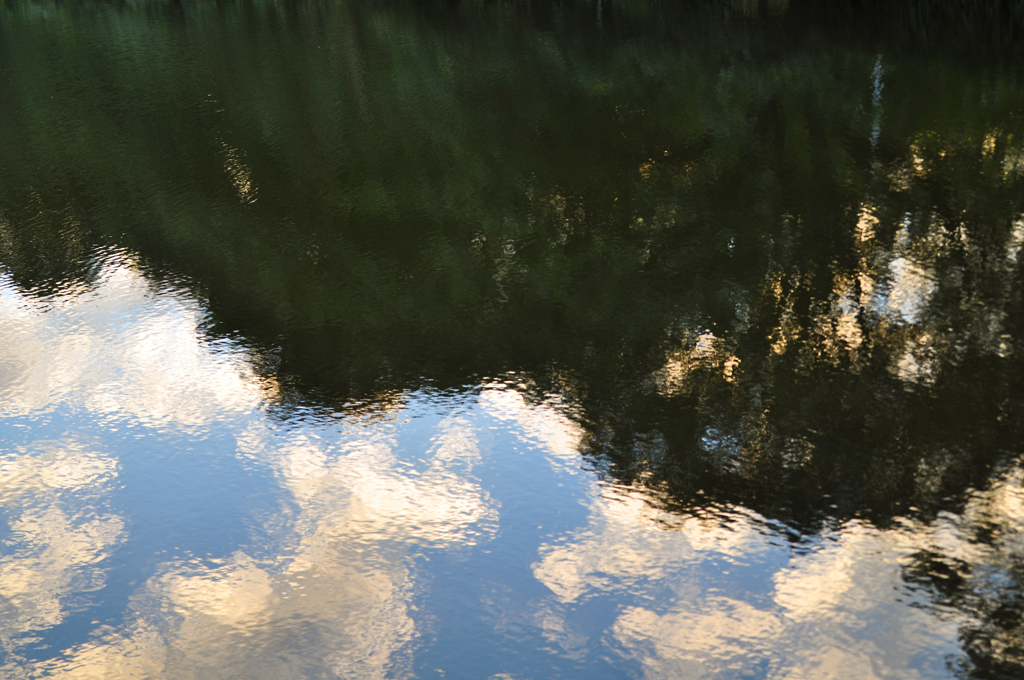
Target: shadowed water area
(511,340)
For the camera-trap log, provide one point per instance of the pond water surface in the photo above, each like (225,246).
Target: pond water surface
(499,340)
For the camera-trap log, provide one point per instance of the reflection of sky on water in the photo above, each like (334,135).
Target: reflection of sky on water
(727,593)
(163,520)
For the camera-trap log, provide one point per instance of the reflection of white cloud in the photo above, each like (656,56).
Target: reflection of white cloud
(331,593)
(622,546)
(358,486)
(834,614)
(695,644)
(437,504)
(56,557)
(839,610)
(117,350)
(558,434)
(241,620)
(237,595)
(838,577)
(52,467)
(112,656)
(58,537)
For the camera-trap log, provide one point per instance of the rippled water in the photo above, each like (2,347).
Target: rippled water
(499,340)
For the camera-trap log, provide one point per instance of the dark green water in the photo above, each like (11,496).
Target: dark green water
(511,340)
